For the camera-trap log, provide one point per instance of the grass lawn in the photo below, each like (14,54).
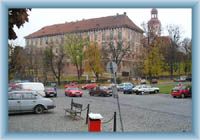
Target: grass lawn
(166,89)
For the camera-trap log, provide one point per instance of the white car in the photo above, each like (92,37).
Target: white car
(28,101)
(34,86)
(142,89)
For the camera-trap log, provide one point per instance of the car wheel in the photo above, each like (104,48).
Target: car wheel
(155,91)
(55,95)
(39,109)
(182,95)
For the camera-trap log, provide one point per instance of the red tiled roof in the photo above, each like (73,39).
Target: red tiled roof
(86,25)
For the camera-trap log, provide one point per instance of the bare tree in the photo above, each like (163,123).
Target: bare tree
(187,45)
(55,59)
(175,34)
(116,49)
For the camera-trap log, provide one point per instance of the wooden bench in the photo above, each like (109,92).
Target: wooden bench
(75,109)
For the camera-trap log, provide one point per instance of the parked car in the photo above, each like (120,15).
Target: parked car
(142,89)
(89,86)
(73,92)
(28,101)
(122,86)
(128,89)
(50,91)
(143,81)
(181,91)
(101,91)
(181,79)
(154,81)
(34,86)
(189,79)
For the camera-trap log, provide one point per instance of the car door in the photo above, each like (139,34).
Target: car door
(14,100)
(143,88)
(148,89)
(98,91)
(28,101)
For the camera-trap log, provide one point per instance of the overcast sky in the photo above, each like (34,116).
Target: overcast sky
(39,18)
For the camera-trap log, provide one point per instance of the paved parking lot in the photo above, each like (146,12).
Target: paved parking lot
(145,113)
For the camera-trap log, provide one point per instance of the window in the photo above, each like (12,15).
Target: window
(103,36)
(14,96)
(111,34)
(28,96)
(95,35)
(120,35)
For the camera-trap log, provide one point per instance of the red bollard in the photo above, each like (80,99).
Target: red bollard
(94,124)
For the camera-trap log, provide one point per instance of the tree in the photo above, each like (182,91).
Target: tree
(174,33)
(116,48)
(153,62)
(17,17)
(17,62)
(55,60)
(93,60)
(74,46)
(187,45)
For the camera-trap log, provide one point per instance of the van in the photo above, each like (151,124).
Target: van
(34,86)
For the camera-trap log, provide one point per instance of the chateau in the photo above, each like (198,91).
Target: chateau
(99,30)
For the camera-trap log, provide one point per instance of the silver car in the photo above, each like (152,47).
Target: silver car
(28,101)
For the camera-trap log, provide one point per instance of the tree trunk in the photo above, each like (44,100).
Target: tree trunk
(171,72)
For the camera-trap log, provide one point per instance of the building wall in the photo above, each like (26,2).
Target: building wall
(102,37)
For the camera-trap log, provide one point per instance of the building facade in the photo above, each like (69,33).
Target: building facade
(100,30)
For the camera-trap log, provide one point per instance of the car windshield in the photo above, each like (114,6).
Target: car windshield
(72,88)
(104,87)
(148,86)
(49,88)
(179,88)
(138,86)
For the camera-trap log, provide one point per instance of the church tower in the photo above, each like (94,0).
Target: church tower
(154,25)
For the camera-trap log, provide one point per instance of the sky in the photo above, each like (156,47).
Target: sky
(39,18)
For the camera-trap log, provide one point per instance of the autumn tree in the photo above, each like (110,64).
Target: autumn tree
(153,62)
(17,17)
(74,46)
(92,56)
(55,59)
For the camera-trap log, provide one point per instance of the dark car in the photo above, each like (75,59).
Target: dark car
(189,79)
(181,91)
(123,86)
(128,89)
(101,91)
(50,91)
(154,81)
